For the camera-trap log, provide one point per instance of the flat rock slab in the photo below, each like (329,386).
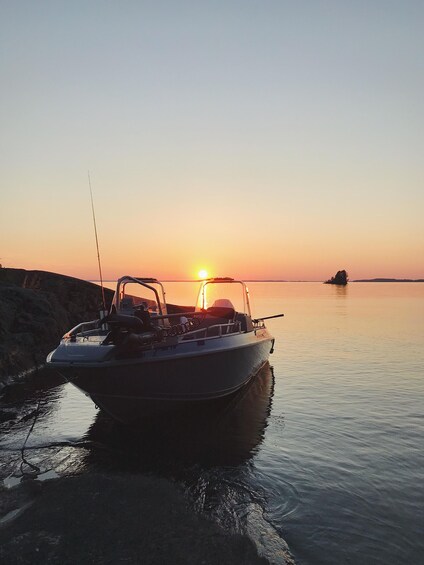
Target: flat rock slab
(110,519)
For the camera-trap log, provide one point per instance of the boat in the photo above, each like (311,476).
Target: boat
(140,357)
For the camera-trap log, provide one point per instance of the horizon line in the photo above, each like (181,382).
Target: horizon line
(375,279)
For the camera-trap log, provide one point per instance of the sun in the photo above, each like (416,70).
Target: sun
(202,274)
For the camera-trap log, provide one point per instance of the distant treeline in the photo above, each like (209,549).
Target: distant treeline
(389,280)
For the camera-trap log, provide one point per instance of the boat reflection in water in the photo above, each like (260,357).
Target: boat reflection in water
(227,431)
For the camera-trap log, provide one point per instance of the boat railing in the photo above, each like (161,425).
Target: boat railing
(81,329)
(85,329)
(218,330)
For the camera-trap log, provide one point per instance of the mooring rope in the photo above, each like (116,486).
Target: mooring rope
(35,469)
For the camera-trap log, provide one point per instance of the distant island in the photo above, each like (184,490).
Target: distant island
(340,278)
(389,280)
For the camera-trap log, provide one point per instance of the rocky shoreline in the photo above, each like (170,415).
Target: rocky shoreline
(112,518)
(36,309)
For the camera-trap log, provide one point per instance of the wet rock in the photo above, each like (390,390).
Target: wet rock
(8,415)
(117,519)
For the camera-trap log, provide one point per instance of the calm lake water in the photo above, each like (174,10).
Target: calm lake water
(323,452)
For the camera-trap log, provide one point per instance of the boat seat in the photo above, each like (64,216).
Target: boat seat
(246,324)
(224,312)
(126,306)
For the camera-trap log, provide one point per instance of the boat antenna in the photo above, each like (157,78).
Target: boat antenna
(97,242)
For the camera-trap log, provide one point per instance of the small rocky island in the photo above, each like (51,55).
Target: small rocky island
(340,278)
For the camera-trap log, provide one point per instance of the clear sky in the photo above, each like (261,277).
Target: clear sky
(255,139)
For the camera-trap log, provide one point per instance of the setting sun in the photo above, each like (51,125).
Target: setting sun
(203,274)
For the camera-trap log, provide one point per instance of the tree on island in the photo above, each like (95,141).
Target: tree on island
(339,278)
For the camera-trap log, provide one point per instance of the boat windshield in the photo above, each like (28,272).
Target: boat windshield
(223,293)
(131,292)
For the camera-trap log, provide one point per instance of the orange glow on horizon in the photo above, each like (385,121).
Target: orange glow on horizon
(310,257)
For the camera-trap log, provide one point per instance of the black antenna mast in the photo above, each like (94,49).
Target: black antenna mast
(97,243)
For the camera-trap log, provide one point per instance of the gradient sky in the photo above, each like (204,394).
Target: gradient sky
(269,139)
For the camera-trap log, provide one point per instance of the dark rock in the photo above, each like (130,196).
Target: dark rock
(112,518)
(340,278)
(36,309)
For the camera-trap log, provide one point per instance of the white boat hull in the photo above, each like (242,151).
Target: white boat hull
(165,378)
